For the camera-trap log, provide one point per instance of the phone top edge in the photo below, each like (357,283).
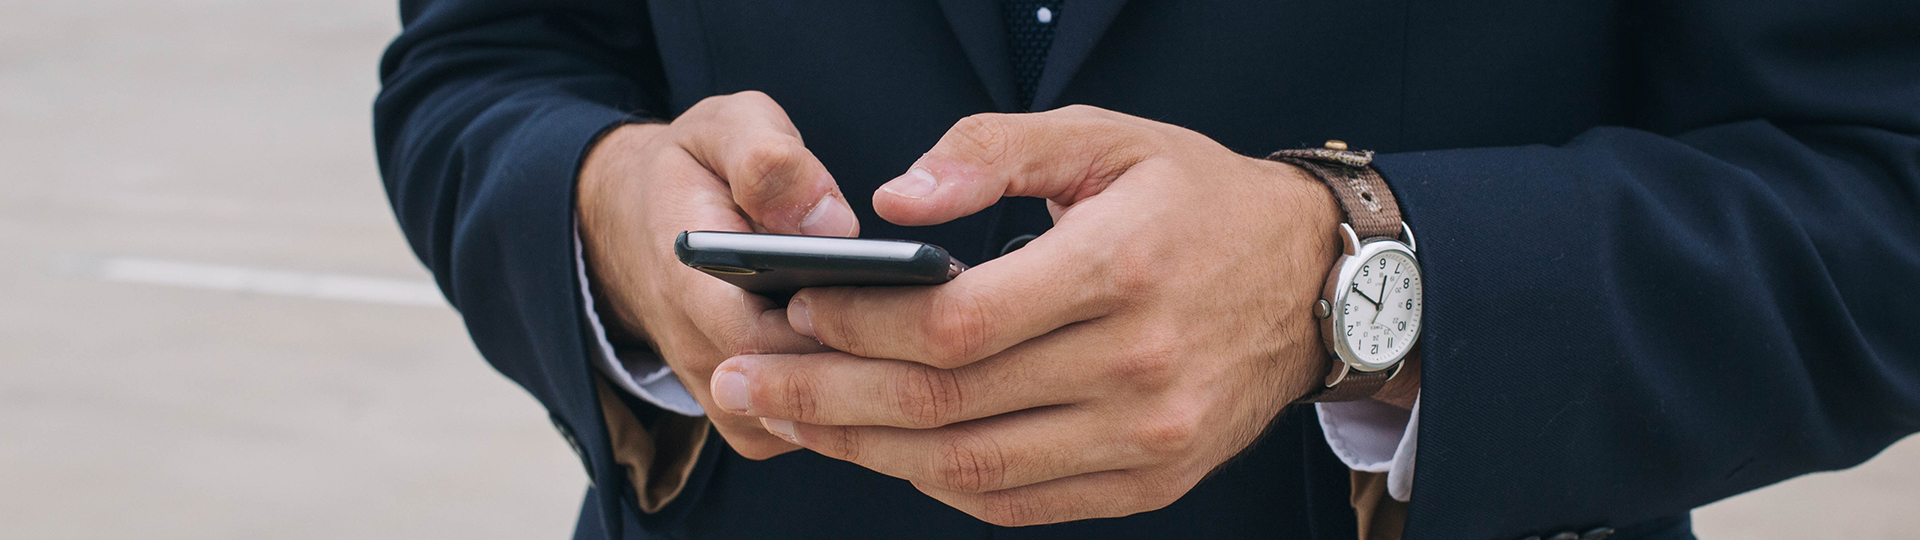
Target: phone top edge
(936,255)
(780,244)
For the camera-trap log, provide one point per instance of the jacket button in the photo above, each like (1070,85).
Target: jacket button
(574,444)
(1598,534)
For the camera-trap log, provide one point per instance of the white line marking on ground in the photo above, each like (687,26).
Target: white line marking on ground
(274,282)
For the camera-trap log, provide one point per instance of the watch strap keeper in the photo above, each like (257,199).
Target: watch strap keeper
(1362,193)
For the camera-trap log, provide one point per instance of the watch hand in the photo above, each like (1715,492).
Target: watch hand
(1363,294)
(1384,280)
(1382,307)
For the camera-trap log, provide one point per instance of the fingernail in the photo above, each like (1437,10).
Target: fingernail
(730,392)
(830,217)
(800,318)
(917,183)
(780,428)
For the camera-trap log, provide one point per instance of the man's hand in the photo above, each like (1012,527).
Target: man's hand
(1100,371)
(730,163)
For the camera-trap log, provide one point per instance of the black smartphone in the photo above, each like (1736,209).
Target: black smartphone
(779,264)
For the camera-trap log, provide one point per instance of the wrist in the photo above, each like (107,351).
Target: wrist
(1310,210)
(609,175)
(609,164)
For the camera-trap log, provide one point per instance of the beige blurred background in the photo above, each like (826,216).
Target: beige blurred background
(210,326)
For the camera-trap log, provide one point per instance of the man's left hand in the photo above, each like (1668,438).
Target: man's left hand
(1100,371)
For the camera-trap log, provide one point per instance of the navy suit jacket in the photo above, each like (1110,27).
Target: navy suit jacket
(1672,247)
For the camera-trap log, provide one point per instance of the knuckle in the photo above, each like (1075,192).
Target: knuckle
(955,331)
(1153,361)
(1172,136)
(734,336)
(842,443)
(1010,509)
(746,437)
(1105,160)
(706,106)
(1170,433)
(929,397)
(794,395)
(759,450)
(1156,491)
(833,325)
(987,134)
(1082,110)
(753,98)
(968,463)
(734,107)
(768,161)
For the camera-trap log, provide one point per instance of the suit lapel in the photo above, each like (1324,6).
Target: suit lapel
(983,35)
(1082,22)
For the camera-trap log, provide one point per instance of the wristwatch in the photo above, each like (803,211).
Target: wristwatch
(1370,309)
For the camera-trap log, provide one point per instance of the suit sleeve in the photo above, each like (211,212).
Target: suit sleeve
(1647,319)
(485,113)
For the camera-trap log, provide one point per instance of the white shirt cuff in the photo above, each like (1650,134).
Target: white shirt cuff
(1371,436)
(642,374)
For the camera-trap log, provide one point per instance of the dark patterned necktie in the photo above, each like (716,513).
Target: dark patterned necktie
(1029,36)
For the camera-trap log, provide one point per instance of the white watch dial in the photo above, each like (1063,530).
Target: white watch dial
(1380,318)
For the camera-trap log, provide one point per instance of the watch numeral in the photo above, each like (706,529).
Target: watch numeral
(1403,326)
(1409,303)
(1349,329)
(1376,348)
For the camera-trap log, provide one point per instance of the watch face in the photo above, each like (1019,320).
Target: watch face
(1380,317)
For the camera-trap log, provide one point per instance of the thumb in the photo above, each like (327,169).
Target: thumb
(1063,155)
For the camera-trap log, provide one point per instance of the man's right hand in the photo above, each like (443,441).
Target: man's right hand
(730,163)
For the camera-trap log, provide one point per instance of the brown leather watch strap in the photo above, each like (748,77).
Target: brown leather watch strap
(1356,386)
(1371,209)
